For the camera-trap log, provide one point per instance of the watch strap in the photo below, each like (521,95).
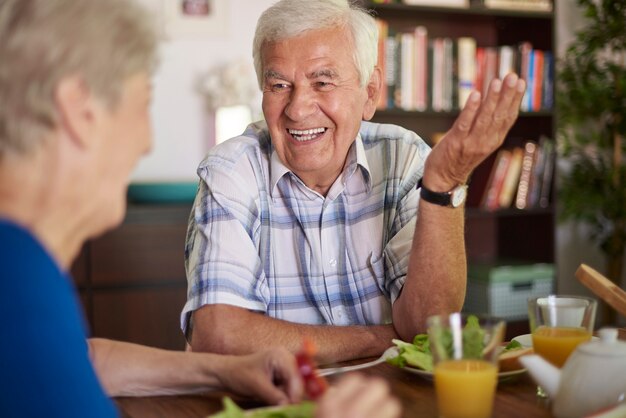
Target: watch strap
(437,198)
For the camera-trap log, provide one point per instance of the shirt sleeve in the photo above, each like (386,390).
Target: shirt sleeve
(222,254)
(409,170)
(45,368)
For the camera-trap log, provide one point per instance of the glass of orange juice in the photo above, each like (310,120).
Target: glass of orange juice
(558,323)
(465,351)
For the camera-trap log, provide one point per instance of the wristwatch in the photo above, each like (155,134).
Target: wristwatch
(452,199)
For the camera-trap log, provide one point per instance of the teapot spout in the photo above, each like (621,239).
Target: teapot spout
(545,374)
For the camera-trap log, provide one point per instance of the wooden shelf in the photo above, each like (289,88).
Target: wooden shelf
(472,11)
(506,233)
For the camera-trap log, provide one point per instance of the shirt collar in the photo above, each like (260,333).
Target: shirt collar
(356,155)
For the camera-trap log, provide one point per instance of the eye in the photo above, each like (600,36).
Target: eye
(323,85)
(278,87)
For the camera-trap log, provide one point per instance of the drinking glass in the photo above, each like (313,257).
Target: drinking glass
(558,324)
(465,351)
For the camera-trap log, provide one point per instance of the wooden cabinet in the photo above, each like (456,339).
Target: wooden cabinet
(132,279)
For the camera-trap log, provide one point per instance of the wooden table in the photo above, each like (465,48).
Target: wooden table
(515,398)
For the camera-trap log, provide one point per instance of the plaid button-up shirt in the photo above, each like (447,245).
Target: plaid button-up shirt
(259,239)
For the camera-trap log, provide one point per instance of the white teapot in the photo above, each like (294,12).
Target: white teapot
(593,377)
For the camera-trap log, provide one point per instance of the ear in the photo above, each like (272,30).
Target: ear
(77,109)
(373,93)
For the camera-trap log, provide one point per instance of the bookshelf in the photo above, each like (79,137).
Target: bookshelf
(528,233)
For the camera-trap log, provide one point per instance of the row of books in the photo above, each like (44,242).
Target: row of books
(533,5)
(521,177)
(422,73)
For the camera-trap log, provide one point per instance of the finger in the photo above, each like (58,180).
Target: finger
(336,399)
(484,119)
(518,94)
(284,368)
(371,395)
(389,407)
(270,393)
(506,111)
(464,121)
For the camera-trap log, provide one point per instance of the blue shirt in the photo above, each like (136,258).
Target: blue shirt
(260,239)
(45,369)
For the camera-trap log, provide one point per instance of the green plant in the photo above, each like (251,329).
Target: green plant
(591,104)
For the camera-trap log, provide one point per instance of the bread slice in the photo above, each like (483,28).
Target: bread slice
(509,360)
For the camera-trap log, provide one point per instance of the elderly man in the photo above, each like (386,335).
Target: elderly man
(317,223)
(74,99)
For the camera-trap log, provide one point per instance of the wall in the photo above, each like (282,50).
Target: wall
(181,123)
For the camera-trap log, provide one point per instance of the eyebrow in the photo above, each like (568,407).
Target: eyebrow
(325,72)
(273,74)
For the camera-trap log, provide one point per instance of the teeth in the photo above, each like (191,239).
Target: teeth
(307,131)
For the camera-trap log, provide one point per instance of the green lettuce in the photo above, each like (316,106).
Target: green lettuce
(231,410)
(418,354)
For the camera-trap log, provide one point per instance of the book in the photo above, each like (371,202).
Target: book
(466,69)
(383,28)
(449,75)
(443,3)
(536,179)
(511,178)
(547,94)
(407,71)
(548,173)
(528,161)
(538,80)
(506,60)
(491,68)
(481,64)
(525,50)
(391,64)
(496,178)
(420,66)
(436,77)
(528,5)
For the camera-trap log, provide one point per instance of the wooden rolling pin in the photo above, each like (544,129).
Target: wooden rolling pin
(602,287)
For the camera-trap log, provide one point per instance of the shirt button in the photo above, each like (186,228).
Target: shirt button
(332,262)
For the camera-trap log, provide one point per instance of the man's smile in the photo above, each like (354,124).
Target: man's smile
(306,134)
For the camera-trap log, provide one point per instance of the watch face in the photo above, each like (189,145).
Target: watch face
(458,196)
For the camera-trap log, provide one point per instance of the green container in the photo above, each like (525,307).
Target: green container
(162,192)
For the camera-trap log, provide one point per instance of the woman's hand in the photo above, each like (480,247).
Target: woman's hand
(270,375)
(355,396)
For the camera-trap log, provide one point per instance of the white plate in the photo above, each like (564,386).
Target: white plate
(527,341)
(502,376)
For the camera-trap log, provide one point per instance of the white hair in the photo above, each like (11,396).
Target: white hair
(290,18)
(43,41)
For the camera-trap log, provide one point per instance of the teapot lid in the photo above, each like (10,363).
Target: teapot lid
(606,346)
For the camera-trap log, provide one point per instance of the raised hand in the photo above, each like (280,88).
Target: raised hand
(478,131)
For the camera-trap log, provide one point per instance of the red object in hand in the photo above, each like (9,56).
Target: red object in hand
(314,385)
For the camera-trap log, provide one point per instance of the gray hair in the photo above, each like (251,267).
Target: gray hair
(290,18)
(43,41)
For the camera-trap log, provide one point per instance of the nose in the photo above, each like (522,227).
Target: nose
(302,104)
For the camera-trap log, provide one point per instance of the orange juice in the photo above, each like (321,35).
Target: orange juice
(465,388)
(555,344)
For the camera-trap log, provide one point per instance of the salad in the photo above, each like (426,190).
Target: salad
(417,354)
(301,410)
